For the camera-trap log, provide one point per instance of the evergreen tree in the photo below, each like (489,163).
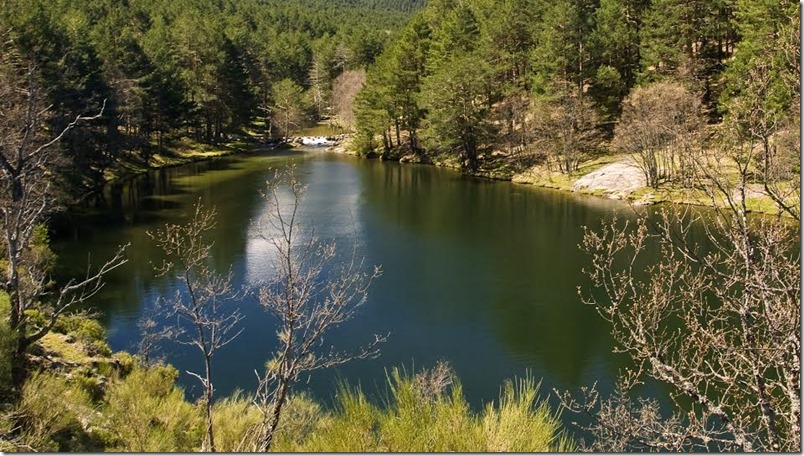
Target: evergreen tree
(564,51)
(690,41)
(617,46)
(458,119)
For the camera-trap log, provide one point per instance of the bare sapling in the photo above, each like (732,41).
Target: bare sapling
(310,292)
(718,322)
(202,308)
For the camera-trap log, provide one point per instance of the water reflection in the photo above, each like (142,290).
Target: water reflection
(329,211)
(480,273)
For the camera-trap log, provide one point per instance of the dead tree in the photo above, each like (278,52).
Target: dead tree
(762,124)
(719,324)
(309,293)
(202,318)
(344,90)
(567,128)
(29,155)
(660,128)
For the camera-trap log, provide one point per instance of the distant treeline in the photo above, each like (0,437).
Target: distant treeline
(468,76)
(199,68)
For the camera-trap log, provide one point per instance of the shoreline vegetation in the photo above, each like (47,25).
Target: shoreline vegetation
(615,176)
(650,101)
(121,402)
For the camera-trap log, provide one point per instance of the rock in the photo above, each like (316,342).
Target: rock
(415,158)
(615,180)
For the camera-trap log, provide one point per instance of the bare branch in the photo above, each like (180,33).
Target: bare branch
(306,303)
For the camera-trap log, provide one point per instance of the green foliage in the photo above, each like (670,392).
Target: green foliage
(199,68)
(458,119)
(147,412)
(87,331)
(83,328)
(289,106)
(766,63)
(40,246)
(600,50)
(563,53)
(420,418)
(234,417)
(522,424)
(54,425)
(688,41)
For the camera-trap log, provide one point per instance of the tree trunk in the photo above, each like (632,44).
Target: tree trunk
(208,403)
(276,412)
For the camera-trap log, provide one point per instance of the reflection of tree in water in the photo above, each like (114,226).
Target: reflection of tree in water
(504,256)
(147,202)
(478,271)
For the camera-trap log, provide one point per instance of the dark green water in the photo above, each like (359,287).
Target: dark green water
(483,274)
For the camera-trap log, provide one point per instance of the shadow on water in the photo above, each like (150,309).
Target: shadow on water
(481,273)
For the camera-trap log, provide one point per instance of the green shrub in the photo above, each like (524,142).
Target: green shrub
(7,345)
(427,416)
(40,247)
(521,423)
(97,348)
(81,327)
(234,419)
(50,414)
(350,429)
(35,317)
(146,412)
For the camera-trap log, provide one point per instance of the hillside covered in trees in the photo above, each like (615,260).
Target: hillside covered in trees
(199,69)
(698,95)
(509,84)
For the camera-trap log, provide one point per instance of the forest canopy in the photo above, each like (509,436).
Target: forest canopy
(468,78)
(200,69)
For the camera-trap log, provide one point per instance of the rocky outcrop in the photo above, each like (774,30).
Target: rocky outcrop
(415,158)
(615,180)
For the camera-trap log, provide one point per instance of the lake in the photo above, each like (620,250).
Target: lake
(482,274)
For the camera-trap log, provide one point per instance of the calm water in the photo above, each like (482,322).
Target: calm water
(483,274)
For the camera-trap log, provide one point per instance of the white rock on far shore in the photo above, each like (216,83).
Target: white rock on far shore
(615,178)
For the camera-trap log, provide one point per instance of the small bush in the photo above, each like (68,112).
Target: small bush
(97,348)
(521,423)
(234,419)
(81,327)
(54,425)
(428,413)
(350,429)
(7,343)
(146,412)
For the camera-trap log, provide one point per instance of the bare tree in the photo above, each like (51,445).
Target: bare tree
(152,335)
(201,318)
(310,293)
(762,123)
(567,128)
(661,127)
(344,90)
(719,324)
(28,158)
(320,79)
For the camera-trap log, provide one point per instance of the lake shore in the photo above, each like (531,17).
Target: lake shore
(180,152)
(616,177)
